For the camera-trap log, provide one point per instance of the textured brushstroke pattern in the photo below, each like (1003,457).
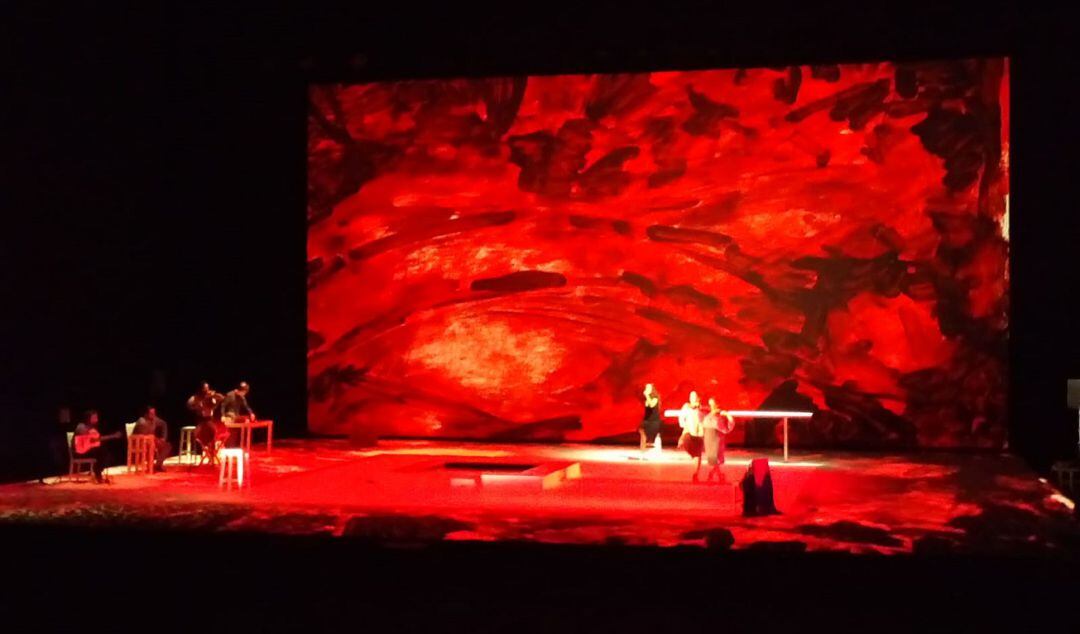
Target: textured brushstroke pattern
(515,258)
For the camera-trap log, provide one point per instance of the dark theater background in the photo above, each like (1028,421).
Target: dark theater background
(165,164)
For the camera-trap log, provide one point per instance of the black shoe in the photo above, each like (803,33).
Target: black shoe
(160,468)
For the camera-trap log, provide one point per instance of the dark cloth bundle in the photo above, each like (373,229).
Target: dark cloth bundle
(757,489)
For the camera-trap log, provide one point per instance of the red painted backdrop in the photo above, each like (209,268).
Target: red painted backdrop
(514,258)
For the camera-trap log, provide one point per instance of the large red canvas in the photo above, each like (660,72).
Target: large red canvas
(514,258)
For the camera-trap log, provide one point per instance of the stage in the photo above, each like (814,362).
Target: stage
(416,492)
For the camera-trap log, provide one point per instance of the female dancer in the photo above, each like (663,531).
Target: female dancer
(692,435)
(717,426)
(689,416)
(649,428)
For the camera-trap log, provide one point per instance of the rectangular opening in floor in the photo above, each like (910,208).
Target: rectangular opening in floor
(500,467)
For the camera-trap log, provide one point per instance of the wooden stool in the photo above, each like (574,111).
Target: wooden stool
(140,456)
(234,461)
(187,445)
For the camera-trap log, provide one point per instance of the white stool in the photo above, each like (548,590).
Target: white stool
(187,445)
(140,456)
(234,462)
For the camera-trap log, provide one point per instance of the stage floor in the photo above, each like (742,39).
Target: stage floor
(414,492)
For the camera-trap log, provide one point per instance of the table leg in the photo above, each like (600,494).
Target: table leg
(785,440)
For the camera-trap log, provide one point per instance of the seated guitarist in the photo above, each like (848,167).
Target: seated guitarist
(87,443)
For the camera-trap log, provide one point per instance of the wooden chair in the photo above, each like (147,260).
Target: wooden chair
(1066,475)
(76,464)
(129,431)
(140,455)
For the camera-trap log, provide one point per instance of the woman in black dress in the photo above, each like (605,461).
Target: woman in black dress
(650,422)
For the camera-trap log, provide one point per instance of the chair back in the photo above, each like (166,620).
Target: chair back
(130,429)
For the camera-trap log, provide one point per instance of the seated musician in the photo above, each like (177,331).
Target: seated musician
(150,424)
(209,431)
(87,442)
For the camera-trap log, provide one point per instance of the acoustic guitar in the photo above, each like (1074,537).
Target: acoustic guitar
(93,438)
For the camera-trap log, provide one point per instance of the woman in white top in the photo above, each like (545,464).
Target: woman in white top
(690,419)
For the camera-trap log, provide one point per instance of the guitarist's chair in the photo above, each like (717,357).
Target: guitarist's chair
(75,464)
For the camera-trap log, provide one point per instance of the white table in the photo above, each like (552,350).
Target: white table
(757,413)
